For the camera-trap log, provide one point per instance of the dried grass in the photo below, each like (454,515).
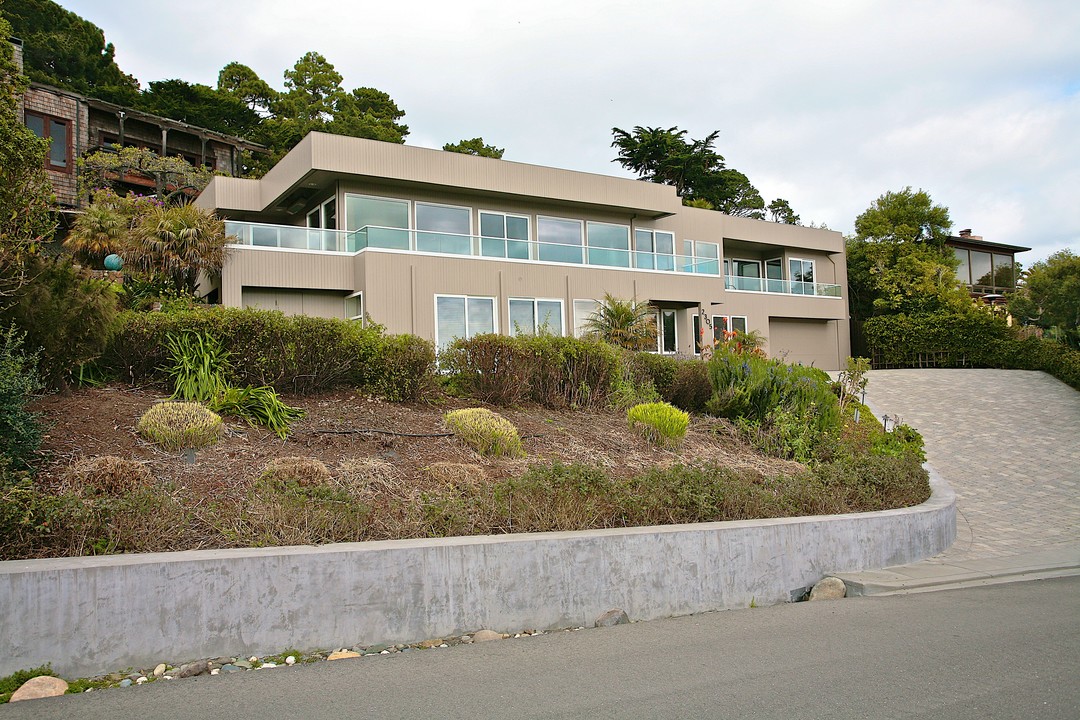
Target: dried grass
(106,474)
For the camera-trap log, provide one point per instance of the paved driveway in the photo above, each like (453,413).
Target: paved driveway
(1007,441)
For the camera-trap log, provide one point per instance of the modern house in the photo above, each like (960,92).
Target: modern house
(445,245)
(987,268)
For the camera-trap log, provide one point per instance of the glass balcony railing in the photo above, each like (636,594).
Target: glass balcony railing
(290,237)
(784,287)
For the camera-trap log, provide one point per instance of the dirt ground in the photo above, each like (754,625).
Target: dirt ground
(343,425)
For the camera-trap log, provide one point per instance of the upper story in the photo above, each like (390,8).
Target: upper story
(339,195)
(987,268)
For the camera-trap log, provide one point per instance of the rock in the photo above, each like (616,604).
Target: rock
(244,664)
(268,665)
(466,638)
(141,680)
(134,676)
(215,671)
(486,636)
(126,682)
(39,687)
(253,659)
(160,670)
(291,660)
(377,648)
(831,588)
(192,669)
(342,655)
(219,661)
(434,642)
(612,618)
(229,668)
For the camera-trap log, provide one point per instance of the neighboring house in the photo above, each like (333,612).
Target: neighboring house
(987,268)
(76,124)
(445,245)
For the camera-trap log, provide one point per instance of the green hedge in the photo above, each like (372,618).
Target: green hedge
(965,340)
(294,354)
(551,370)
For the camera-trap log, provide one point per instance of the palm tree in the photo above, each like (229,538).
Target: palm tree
(627,324)
(98,231)
(180,242)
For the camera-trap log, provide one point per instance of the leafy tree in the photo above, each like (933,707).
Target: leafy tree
(180,242)
(730,192)
(624,323)
(312,91)
(664,156)
(242,83)
(66,313)
(20,429)
(171,175)
(897,262)
(98,231)
(1050,296)
(780,211)
(368,113)
(904,216)
(26,218)
(476,146)
(64,50)
(199,105)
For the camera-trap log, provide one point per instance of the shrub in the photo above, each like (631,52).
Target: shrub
(300,471)
(180,425)
(67,314)
(406,368)
(486,432)
(457,475)
(108,475)
(690,389)
(660,423)
(20,429)
(660,370)
(491,368)
(368,476)
(10,683)
(259,406)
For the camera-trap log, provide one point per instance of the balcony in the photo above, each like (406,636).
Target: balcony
(783,287)
(290,237)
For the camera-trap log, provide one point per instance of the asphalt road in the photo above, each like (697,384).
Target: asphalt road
(1003,651)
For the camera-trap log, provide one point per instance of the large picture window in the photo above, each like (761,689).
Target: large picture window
(529,316)
(382,222)
(609,244)
(443,229)
(462,316)
(58,132)
(560,240)
(802,276)
(655,249)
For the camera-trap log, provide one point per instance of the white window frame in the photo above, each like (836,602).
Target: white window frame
(356,318)
(466,298)
(528,224)
(659,315)
(364,196)
(582,246)
(695,244)
(535,313)
(577,324)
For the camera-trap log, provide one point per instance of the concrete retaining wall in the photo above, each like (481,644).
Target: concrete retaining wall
(99,614)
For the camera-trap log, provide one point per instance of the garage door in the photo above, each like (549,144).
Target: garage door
(809,342)
(315,303)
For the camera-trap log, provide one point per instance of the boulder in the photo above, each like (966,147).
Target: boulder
(831,588)
(486,636)
(40,687)
(612,618)
(342,655)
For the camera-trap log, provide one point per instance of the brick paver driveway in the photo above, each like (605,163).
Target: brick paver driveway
(1007,441)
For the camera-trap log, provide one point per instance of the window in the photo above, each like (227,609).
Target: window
(583,310)
(655,249)
(774,275)
(529,316)
(381,222)
(802,276)
(462,316)
(559,240)
(504,235)
(324,217)
(963,273)
(449,229)
(707,256)
(354,307)
(1003,271)
(746,275)
(666,338)
(58,133)
(980,268)
(608,244)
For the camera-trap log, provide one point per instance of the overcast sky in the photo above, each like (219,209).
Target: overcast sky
(826,104)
